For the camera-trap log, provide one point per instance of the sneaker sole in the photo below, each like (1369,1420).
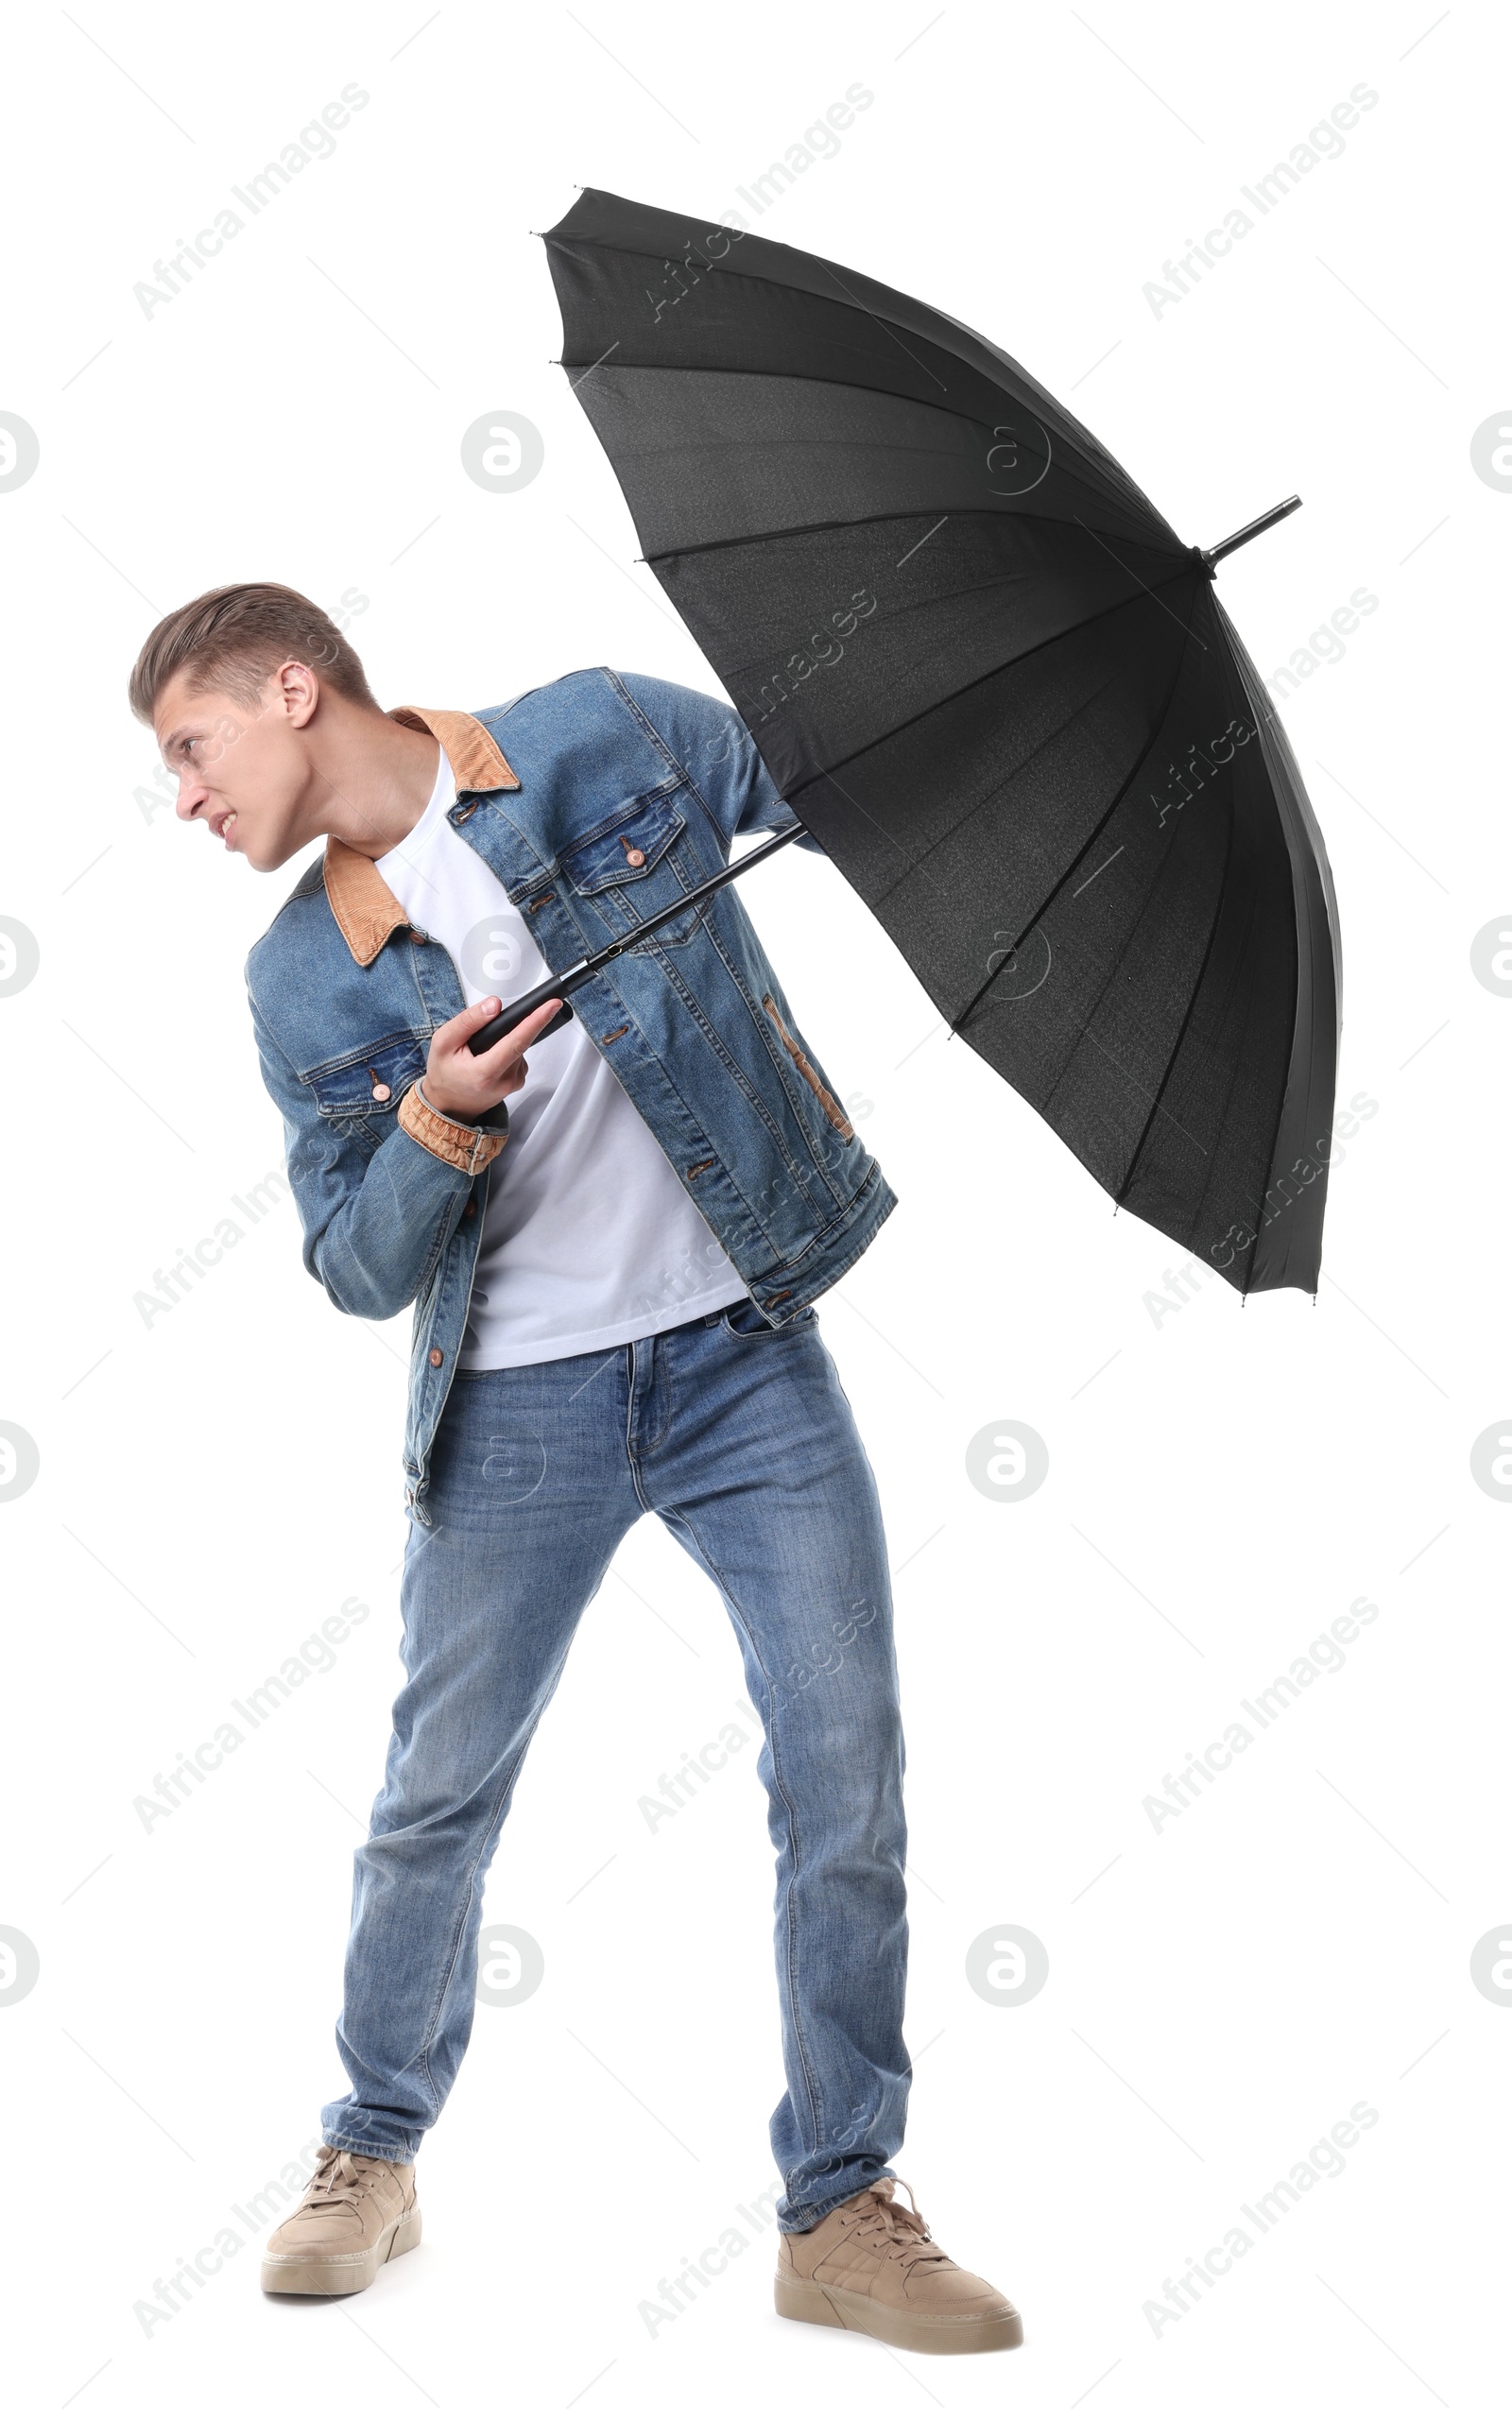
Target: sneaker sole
(836,2306)
(343,2274)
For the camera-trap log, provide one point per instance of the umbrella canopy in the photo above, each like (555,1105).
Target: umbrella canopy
(1003,694)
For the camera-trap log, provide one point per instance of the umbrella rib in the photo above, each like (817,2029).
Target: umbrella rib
(1075,476)
(1234,1078)
(1082,1033)
(917,865)
(1175,1047)
(1280,1106)
(1256,701)
(628,251)
(1156,1111)
(1124,567)
(1085,1031)
(920,865)
(826,772)
(1039,398)
(855,300)
(967,814)
(874,520)
(1096,831)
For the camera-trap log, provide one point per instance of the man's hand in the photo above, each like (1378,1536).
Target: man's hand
(462,1087)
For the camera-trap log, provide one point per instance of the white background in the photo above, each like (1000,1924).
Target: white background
(1224,1482)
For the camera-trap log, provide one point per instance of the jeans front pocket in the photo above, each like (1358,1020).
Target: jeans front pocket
(744,1320)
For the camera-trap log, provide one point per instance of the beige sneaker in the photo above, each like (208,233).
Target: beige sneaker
(873,2266)
(356,2214)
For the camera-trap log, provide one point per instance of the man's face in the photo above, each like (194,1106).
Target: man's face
(243,770)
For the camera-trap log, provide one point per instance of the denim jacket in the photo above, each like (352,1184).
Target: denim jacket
(596,800)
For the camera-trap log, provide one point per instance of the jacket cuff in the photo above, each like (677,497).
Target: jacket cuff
(469,1148)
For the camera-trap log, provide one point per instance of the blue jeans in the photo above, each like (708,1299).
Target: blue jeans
(740,1437)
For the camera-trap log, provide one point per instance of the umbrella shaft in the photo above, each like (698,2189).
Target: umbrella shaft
(560,986)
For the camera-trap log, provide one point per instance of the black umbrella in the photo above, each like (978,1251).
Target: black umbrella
(1003,696)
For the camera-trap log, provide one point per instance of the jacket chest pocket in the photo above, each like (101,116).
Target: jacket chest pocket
(632,865)
(359,1095)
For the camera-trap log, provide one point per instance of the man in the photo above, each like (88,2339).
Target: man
(614,1290)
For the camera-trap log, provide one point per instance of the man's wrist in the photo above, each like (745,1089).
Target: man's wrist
(466,1146)
(494,1119)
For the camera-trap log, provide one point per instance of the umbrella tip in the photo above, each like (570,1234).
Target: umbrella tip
(1213,555)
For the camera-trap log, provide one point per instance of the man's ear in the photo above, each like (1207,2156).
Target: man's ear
(294,692)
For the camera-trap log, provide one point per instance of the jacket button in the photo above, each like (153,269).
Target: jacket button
(437,1357)
(632,856)
(380,1092)
(472,1211)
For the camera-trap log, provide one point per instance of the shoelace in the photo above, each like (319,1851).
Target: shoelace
(906,2233)
(337,2178)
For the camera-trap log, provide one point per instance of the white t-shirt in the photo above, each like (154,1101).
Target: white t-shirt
(589,1239)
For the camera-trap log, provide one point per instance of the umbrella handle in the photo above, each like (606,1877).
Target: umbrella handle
(518,1010)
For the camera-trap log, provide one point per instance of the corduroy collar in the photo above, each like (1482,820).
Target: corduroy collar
(365,908)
